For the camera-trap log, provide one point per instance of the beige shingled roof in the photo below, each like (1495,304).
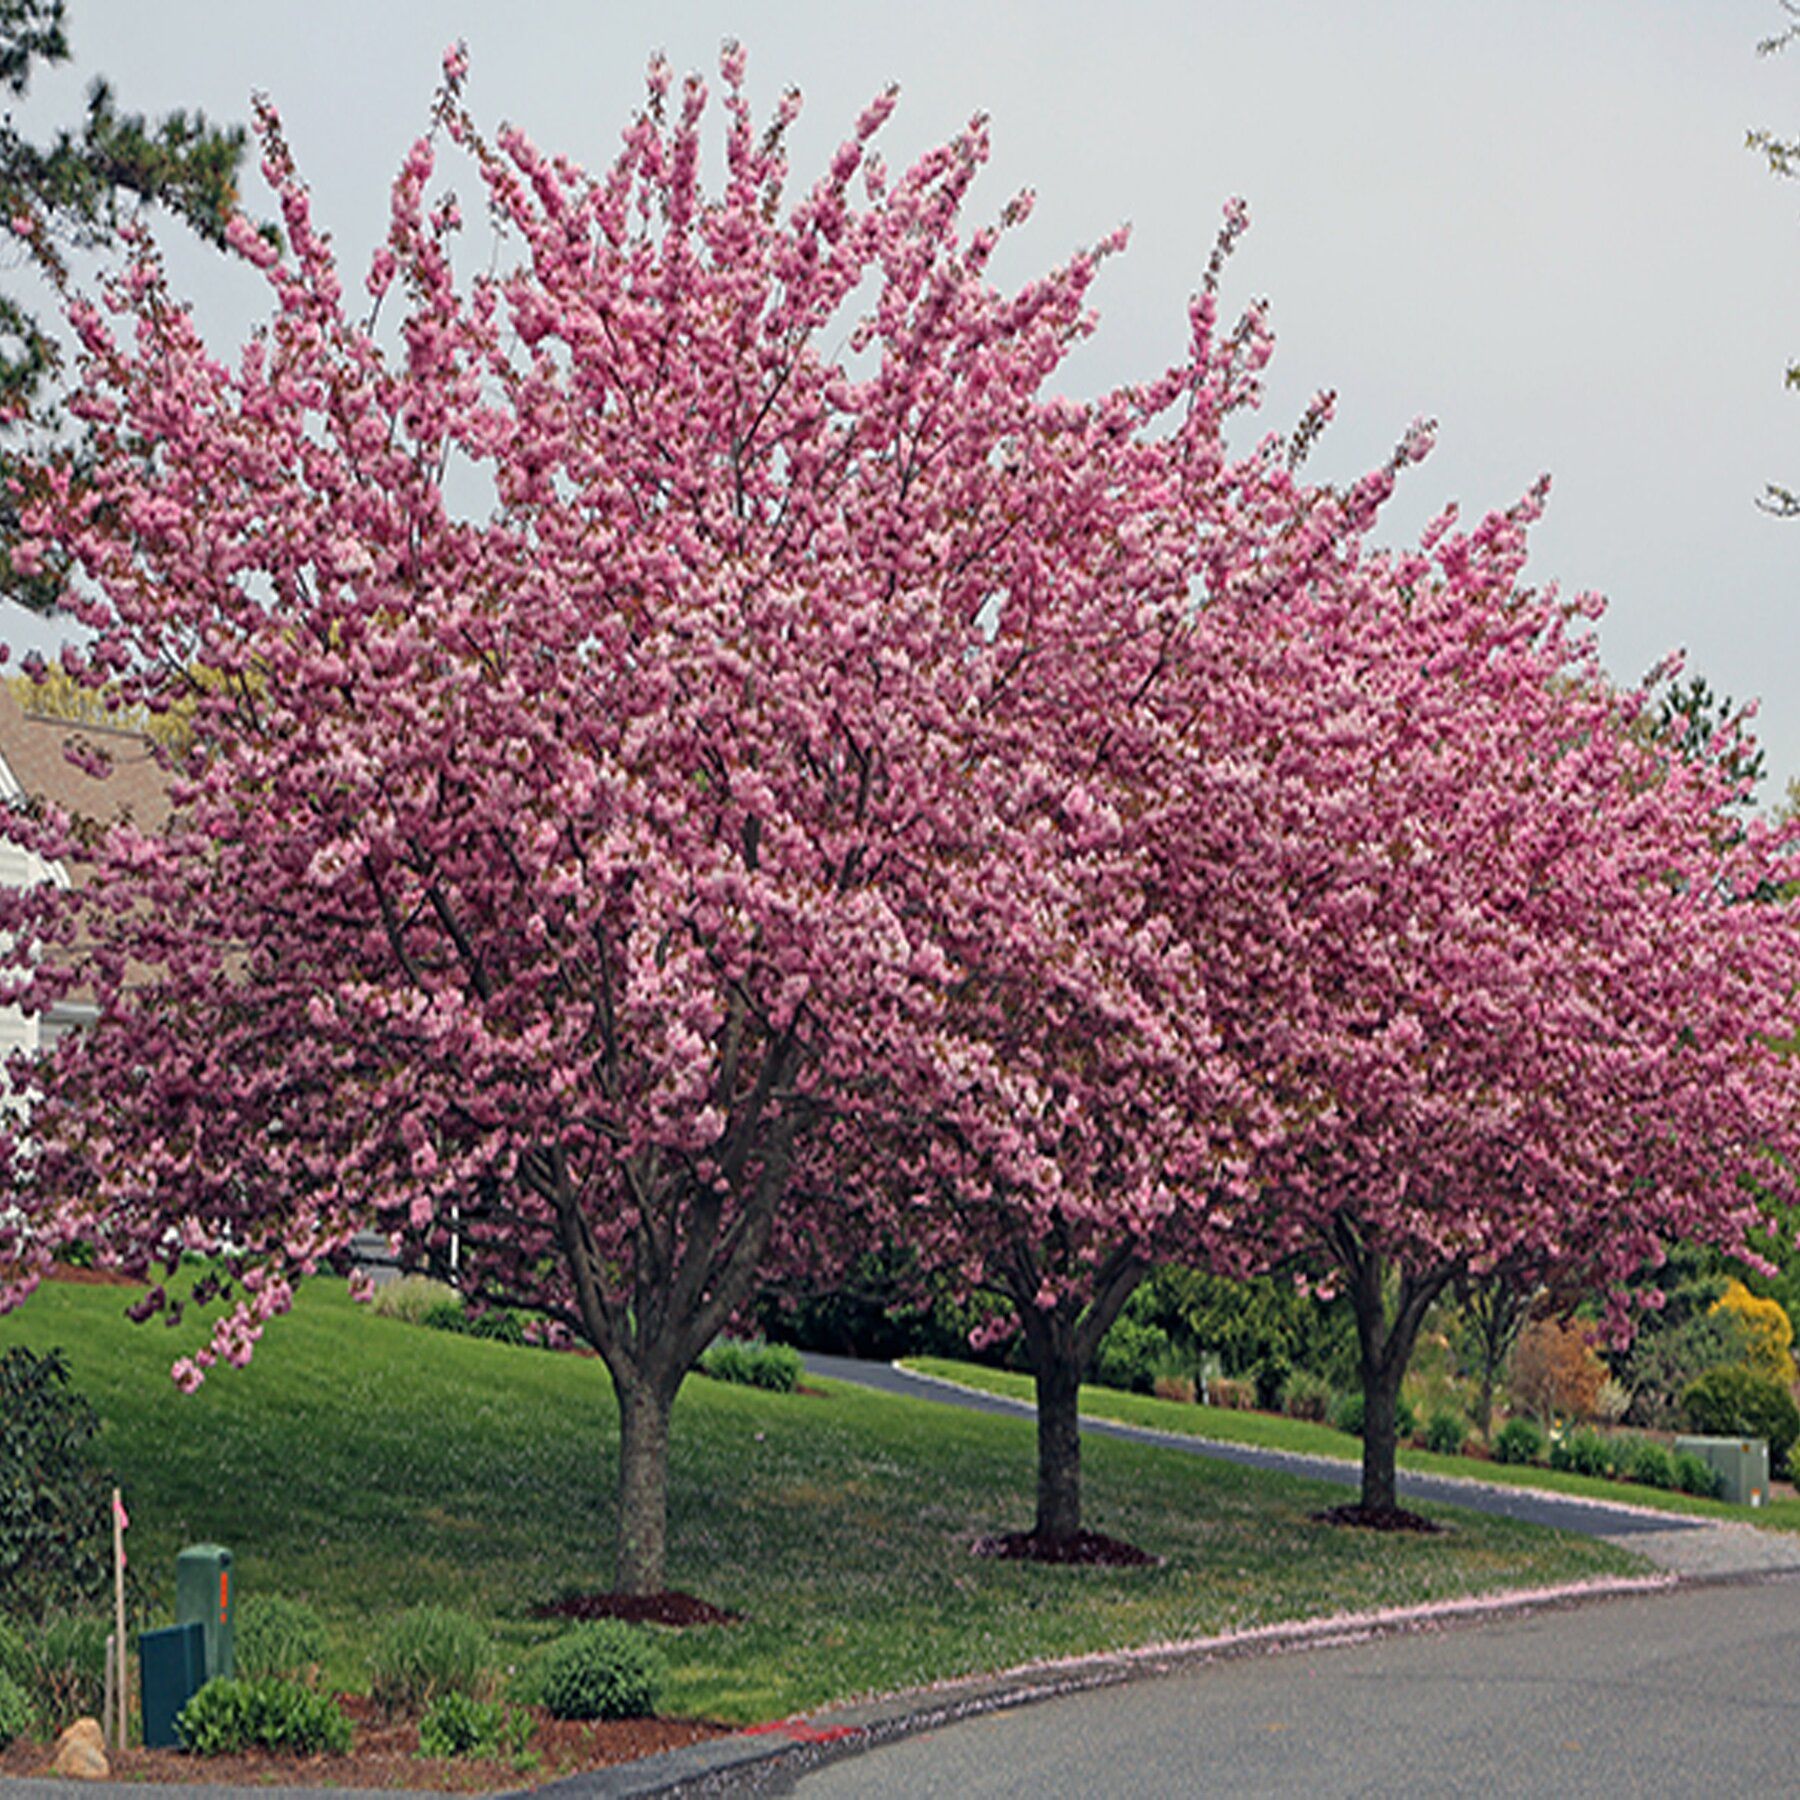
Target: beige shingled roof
(34,748)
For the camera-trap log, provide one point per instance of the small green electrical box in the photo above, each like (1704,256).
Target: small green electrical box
(172,1663)
(1742,1463)
(206,1595)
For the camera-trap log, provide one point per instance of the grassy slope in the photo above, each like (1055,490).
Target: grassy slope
(368,1465)
(1273,1432)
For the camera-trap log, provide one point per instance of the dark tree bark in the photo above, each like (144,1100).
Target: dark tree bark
(1385,1340)
(1061,1342)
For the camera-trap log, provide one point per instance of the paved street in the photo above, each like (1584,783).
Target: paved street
(1690,1692)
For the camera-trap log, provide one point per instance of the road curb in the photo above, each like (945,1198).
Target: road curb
(786,1747)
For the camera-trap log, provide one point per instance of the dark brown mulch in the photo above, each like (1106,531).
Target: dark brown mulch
(384,1754)
(1086,1547)
(76,1276)
(1377,1518)
(667,1608)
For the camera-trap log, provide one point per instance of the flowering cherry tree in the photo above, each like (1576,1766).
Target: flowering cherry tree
(1107,1092)
(1527,992)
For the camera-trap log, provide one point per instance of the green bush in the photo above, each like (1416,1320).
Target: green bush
(1519,1440)
(497,1324)
(604,1670)
(228,1716)
(445,1315)
(772,1366)
(426,1652)
(1132,1355)
(68,1673)
(1306,1395)
(55,1499)
(1583,1453)
(1694,1475)
(277,1637)
(1737,1401)
(16,1659)
(455,1725)
(16,1710)
(1347,1415)
(1446,1432)
(1648,1462)
(411,1297)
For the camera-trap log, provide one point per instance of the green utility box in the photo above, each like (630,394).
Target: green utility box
(1744,1463)
(172,1664)
(206,1595)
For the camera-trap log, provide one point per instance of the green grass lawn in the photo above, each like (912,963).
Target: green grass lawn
(366,1465)
(1271,1431)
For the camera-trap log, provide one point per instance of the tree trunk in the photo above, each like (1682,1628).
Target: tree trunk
(1386,1345)
(1381,1405)
(1058,1378)
(644,1409)
(1061,1342)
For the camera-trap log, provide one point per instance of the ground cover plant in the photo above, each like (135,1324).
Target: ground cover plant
(367,1468)
(1272,1431)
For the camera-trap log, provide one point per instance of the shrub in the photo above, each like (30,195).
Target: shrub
(1646,1461)
(1519,1440)
(55,1499)
(1347,1415)
(1270,1374)
(1174,1387)
(1305,1395)
(1738,1401)
(16,1710)
(1768,1331)
(604,1670)
(445,1315)
(1612,1401)
(228,1716)
(68,1673)
(1694,1475)
(411,1297)
(427,1652)
(1555,1371)
(1233,1395)
(1446,1432)
(1132,1354)
(497,1324)
(455,1725)
(1583,1453)
(16,1659)
(772,1366)
(277,1637)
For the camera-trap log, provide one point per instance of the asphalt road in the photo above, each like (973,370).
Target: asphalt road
(1587,1517)
(1690,1692)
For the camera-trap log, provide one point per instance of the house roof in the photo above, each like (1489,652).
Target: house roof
(34,748)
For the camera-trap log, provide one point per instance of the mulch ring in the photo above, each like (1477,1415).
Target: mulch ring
(670,1607)
(1377,1518)
(1085,1547)
(384,1754)
(77,1276)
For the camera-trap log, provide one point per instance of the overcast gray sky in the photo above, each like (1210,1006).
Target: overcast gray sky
(1533,220)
